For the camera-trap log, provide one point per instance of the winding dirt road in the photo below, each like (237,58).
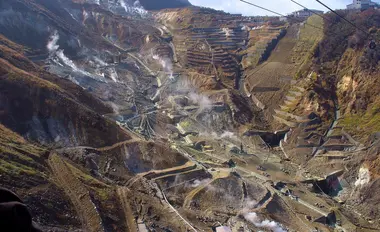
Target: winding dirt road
(122,193)
(77,193)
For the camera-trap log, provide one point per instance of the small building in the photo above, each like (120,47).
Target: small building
(142,227)
(362,5)
(223,229)
(305,13)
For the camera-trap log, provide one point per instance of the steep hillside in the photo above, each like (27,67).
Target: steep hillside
(342,90)
(180,118)
(50,112)
(154,5)
(355,65)
(23,169)
(346,73)
(356,69)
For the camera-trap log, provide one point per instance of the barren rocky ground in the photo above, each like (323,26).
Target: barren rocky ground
(121,116)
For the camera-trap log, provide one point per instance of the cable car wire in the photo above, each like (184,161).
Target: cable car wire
(249,3)
(314,12)
(340,16)
(301,21)
(372,44)
(274,12)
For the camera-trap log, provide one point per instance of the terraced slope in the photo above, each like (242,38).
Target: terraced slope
(261,42)
(270,81)
(185,85)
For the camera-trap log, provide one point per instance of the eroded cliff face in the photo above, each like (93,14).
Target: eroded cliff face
(354,65)
(340,80)
(343,91)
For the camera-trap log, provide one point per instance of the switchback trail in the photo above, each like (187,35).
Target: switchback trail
(102,149)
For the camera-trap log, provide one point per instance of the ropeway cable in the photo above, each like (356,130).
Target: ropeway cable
(314,12)
(340,16)
(274,12)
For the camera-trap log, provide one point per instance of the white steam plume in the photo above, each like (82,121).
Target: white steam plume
(124,5)
(52,43)
(228,134)
(136,8)
(85,16)
(166,64)
(245,28)
(197,183)
(203,101)
(139,9)
(99,62)
(73,80)
(53,47)
(225,134)
(249,203)
(227,31)
(114,107)
(266,224)
(135,64)
(257,28)
(113,75)
(137,4)
(364,177)
(66,60)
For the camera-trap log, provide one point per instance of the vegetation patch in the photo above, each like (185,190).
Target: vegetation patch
(17,155)
(85,178)
(363,124)
(14,168)
(104,193)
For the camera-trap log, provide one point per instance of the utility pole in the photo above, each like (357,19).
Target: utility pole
(266,160)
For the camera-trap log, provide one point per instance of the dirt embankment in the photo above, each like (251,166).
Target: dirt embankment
(123,194)
(270,81)
(77,193)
